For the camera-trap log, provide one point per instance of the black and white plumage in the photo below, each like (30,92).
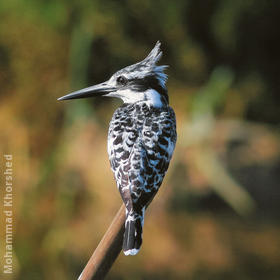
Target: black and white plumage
(141,138)
(141,141)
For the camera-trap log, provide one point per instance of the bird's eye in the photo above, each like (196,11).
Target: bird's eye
(121,80)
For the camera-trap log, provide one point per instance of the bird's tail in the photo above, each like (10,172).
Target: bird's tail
(133,233)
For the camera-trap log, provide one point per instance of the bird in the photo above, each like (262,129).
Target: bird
(141,138)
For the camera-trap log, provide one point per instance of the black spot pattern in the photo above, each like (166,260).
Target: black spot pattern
(141,141)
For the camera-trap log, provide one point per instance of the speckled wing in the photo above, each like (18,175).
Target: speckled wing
(156,144)
(140,147)
(122,137)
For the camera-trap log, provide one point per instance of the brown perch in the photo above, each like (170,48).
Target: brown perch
(107,250)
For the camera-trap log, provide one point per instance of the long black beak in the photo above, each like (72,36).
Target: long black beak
(97,90)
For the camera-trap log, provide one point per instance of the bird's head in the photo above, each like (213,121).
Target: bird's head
(143,81)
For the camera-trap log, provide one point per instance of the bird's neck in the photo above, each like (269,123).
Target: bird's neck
(150,97)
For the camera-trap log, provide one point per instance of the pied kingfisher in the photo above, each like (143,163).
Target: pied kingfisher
(141,139)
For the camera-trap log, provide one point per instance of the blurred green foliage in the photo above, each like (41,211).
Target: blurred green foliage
(224,86)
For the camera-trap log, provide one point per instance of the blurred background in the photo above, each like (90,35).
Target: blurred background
(217,213)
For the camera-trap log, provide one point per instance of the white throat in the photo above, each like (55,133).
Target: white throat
(151,97)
